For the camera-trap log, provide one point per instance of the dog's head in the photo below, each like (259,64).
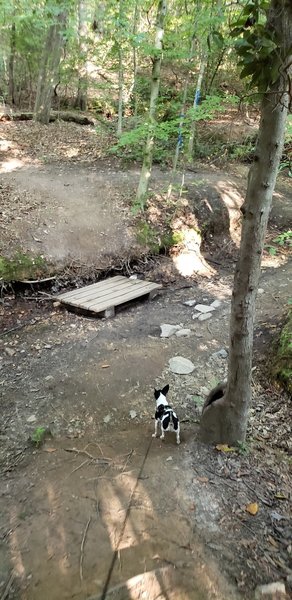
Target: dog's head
(160,395)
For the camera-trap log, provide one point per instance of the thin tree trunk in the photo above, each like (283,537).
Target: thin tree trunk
(49,65)
(225,419)
(155,83)
(121,72)
(11,90)
(81,98)
(135,61)
(196,104)
(181,122)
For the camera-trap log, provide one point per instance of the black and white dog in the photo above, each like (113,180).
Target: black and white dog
(165,415)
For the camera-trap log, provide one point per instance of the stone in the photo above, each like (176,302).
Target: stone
(216,303)
(204,308)
(261,291)
(190,302)
(183,333)
(31,419)
(133,414)
(168,330)
(271,591)
(10,351)
(107,419)
(195,315)
(204,317)
(181,365)
(221,353)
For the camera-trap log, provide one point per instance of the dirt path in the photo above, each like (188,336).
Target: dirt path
(101,502)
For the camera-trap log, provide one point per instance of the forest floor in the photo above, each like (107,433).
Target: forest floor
(100,509)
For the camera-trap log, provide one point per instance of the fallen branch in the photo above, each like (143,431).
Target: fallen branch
(82,549)
(8,586)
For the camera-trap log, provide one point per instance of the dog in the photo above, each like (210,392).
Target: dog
(165,415)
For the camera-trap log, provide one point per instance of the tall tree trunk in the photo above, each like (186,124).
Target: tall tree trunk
(181,121)
(11,90)
(81,98)
(155,82)
(135,61)
(48,70)
(196,104)
(121,71)
(225,414)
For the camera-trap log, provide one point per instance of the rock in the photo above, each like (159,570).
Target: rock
(168,330)
(216,303)
(261,291)
(204,308)
(56,304)
(195,315)
(107,419)
(271,591)
(190,302)
(181,365)
(183,333)
(221,353)
(169,459)
(31,419)
(204,317)
(133,414)
(10,351)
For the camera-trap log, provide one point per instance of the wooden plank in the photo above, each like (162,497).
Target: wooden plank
(103,296)
(107,283)
(116,299)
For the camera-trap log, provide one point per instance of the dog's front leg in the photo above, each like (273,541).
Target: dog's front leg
(156,426)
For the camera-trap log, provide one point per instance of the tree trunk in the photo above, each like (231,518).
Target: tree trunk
(225,416)
(11,91)
(196,104)
(181,122)
(81,98)
(49,65)
(135,61)
(155,82)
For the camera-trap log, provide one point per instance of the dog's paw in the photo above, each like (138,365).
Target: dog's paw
(162,437)
(178,441)
(153,434)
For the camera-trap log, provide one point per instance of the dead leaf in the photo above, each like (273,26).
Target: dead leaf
(105,366)
(225,448)
(50,449)
(281,496)
(203,479)
(252,508)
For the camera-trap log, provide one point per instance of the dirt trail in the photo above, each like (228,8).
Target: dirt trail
(101,502)
(102,495)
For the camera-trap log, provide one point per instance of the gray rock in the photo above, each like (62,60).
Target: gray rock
(261,291)
(10,351)
(181,365)
(216,303)
(221,353)
(205,316)
(133,414)
(195,315)
(271,591)
(168,330)
(107,419)
(183,333)
(31,419)
(190,302)
(204,308)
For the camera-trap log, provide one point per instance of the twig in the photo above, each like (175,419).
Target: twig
(258,495)
(79,466)
(82,549)
(37,280)
(95,458)
(8,586)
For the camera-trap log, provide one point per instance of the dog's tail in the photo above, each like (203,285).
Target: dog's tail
(174,421)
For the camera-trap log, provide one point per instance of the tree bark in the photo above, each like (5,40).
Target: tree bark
(11,90)
(196,104)
(155,83)
(81,98)
(49,65)
(225,418)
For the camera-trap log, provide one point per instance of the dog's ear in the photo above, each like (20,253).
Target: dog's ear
(165,390)
(156,394)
